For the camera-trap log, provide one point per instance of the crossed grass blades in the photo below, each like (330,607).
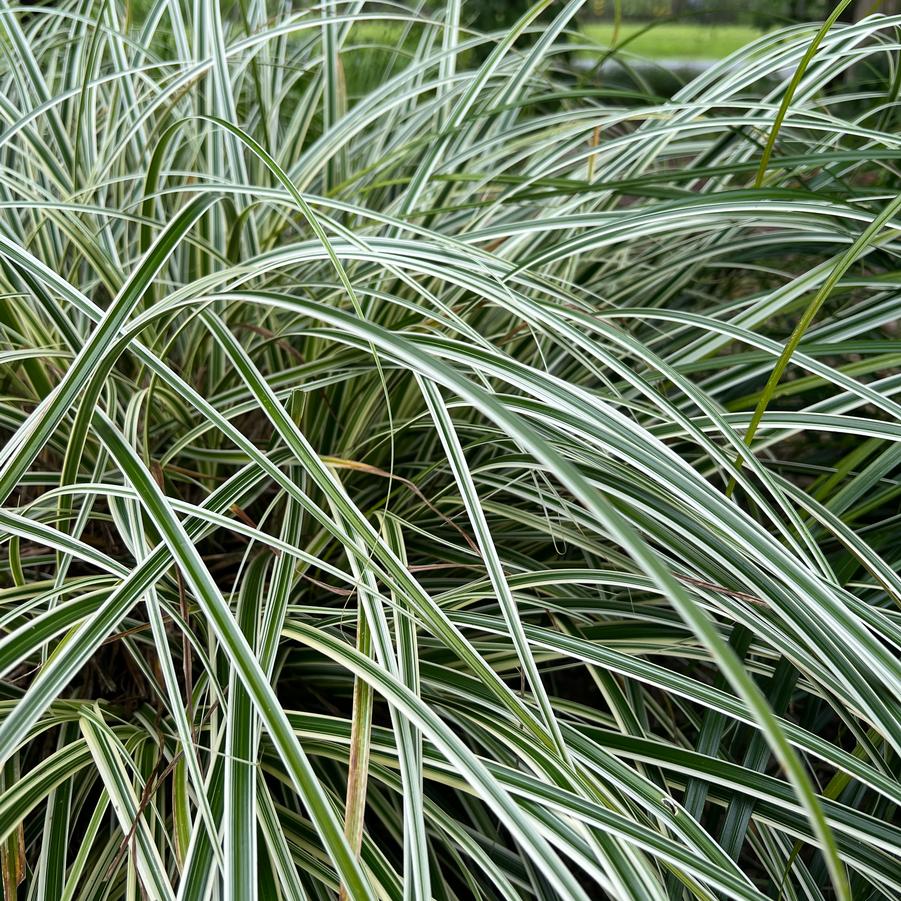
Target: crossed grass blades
(378,513)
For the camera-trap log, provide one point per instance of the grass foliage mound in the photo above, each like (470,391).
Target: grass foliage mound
(430,471)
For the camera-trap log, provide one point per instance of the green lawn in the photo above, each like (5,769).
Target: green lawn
(665,40)
(670,40)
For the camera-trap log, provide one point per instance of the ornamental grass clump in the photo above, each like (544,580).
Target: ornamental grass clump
(434,466)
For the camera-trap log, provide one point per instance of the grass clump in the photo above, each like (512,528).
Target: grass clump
(376,507)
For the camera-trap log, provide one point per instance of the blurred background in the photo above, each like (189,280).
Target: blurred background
(684,29)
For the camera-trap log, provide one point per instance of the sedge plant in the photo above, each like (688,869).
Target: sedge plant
(437,466)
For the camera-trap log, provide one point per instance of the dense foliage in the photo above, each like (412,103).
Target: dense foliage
(375,496)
